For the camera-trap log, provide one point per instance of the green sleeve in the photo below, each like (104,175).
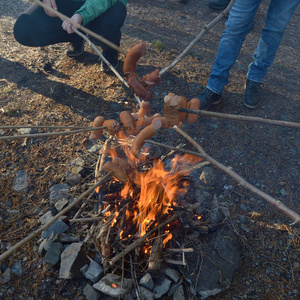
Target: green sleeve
(91,9)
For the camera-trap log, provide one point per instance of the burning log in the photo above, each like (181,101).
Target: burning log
(155,259)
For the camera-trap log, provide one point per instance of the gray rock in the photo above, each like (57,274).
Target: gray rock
(52,256)
(20,181)
(16,268)
(94,272)
(161,287)
(174,287)
(61,204)
(220,257)
(59,192)
(147,295)
(45,245)
(173,274)
(77,162)
(105,285)
(179,293)
(5,277)
(73,179)
(283,192)
(72,259)
(147,282)
(95,148)
(91,293)
(78,170)
(65,238)
(46,217)
(243,207)
(57,227)
(26,130)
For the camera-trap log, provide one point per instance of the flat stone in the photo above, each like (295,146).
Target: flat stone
(26,130)
(147,282)
(46,217)
(59,192)
(5,277)
(147,295)
(77,162)
(61,204)
(91,293)
(161,287)
(95,148)
(20,181)
(220,256)
(78,170)
(94,272)
(110,285)
(16,268)
(52,256)
(73,179)
(72,259)
(65,238)
(173,274)
(57,227)
(179,294)
(174,287)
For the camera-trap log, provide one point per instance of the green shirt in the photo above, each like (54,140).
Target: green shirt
(91,9)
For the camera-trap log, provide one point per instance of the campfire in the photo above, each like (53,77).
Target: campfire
(149,192)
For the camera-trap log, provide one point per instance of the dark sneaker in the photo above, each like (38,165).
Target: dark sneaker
(112,58)
(76,47)
(208,98)
(252,94)
(218,4)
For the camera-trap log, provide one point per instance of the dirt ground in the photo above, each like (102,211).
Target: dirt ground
(41,86)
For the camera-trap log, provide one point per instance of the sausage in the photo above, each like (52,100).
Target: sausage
(128,121)
(193,104)
(98,122)
(136,86)
(139,140)
(117,172)
(151,79)
(148,121)
(183,104)
(144,109)
(160,122)
(113,126)
(133,56)
(171,106)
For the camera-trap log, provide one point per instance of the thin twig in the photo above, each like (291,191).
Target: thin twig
(193,43)
(76,25)
(240,117)
(141,240)
(241,181)
(55,218)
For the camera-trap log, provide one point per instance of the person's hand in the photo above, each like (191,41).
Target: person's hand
(52,4)
(66,25)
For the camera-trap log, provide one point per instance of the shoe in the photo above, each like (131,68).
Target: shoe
(218,4)
(76,48)
(112,57)
(208,98)
(252,94)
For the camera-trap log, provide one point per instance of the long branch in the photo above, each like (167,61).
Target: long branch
(240,117)
(241,181)
(192,44)
(55,218)
(22,136)
(141,240)
(76,25)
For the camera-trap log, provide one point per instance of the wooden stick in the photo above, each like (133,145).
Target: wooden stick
(55,218)
(241,181)
(76,25)
(193,43)
(240,117)
(141,240)
(37,135)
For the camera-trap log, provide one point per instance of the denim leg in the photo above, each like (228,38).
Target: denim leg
(278,16)
(238,25)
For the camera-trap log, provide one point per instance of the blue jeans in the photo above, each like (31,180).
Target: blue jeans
(238,25)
